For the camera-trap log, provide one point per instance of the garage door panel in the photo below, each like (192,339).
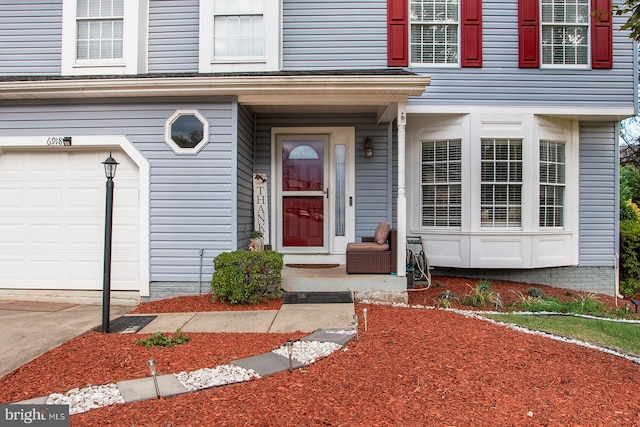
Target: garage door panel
(52,220)
(84,200)
(12,198)
(12,269)
(85,270)
(46,234)
(12,235)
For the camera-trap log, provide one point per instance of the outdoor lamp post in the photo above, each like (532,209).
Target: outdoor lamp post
(110,166)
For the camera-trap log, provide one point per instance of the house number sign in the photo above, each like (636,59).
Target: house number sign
(59,140)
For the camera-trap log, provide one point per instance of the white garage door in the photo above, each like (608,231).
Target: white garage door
(52,208)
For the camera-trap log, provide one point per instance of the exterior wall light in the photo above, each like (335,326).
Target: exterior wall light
(368,148)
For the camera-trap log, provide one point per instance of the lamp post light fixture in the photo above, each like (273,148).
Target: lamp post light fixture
(110,166)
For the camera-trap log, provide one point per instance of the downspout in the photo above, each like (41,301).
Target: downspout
(616,258)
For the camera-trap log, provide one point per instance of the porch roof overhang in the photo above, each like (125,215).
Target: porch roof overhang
(337,91)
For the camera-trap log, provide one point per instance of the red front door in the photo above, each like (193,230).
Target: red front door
(303,192)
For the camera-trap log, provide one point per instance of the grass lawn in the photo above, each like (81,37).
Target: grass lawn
(624,337)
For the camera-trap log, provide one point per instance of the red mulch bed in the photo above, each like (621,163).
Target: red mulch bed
(411,367)
(200,303)
(510,293)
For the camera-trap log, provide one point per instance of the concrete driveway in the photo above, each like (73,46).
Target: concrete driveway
(31,328)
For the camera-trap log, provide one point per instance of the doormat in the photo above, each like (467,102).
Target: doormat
(128,324)
(317,297)
(312,265)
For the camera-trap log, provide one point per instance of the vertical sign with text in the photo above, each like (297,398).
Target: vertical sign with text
(261,206)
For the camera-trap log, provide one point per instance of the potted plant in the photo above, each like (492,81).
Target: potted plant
(257,241)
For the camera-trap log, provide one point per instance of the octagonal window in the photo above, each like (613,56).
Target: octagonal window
(187,132)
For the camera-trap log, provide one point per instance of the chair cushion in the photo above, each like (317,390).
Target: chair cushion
(367,247)
(382,233)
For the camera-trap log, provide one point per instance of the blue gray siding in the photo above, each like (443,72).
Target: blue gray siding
(245,176)
(375,183)
(598,194)
(173,36)
(334,34)
(501,82)
(192,197)
(31,34)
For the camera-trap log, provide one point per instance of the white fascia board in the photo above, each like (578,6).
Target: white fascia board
(259,86)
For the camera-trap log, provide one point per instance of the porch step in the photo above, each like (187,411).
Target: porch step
(337,280)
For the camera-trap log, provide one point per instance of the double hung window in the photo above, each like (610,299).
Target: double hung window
(100,29)
(552,183)
(501,183)
(434,31)
(104,37)
(565,32)
(238,29)
(442,183)
(238,36)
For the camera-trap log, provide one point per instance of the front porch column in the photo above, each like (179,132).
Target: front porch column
(402,197)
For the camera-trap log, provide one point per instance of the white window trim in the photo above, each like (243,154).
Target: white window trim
(272,42)
(135,31)
(506,183)
(435,184)
(418,65)
(175,147)
(566,66)
(554,184)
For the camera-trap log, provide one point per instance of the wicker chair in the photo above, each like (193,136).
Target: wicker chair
(370,257)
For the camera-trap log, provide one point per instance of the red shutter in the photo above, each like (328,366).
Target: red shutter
(528,34)
(601,34)
(471,34)
(397,33)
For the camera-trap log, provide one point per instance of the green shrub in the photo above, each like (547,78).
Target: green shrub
(446,299)
(480,296)
(586,304)
(484,286)
(534,304)
(629,257)
(242,277)
(535,292)
(159,340)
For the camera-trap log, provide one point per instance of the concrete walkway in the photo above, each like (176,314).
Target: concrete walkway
(290,318)
(31,328)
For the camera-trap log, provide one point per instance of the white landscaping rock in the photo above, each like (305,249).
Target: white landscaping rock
(213,377)
(87,398)
(307,352)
